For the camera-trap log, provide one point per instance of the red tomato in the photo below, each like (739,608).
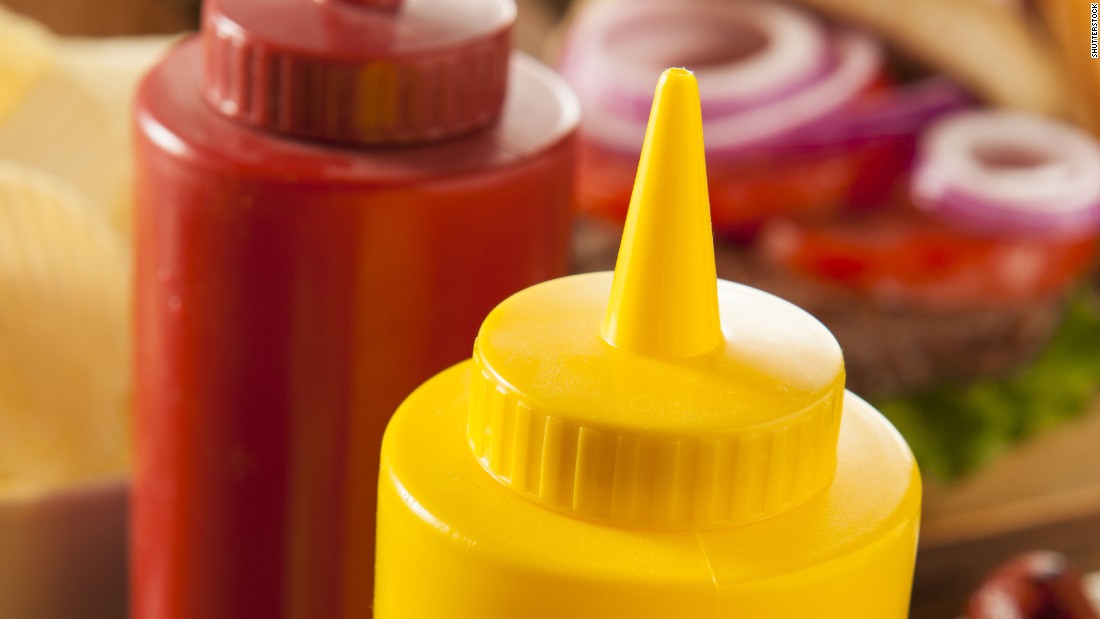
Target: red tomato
(898,253)
(745,194)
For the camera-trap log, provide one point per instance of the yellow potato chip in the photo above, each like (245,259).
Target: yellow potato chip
(63,130)
(111,67)
(109,71)
(74,122)
(26,53)
(64,336)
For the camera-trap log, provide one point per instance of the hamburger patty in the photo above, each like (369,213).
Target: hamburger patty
(889,348)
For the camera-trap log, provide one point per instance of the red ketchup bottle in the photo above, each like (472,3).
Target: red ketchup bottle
(331,195)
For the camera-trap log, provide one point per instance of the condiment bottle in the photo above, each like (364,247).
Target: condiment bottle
(651,444)
(330,196)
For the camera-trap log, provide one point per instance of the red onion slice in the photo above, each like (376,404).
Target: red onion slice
(858,63)
(900,112)
(745,54)
(1004,172)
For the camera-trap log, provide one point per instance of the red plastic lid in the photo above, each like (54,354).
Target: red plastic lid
(358,71)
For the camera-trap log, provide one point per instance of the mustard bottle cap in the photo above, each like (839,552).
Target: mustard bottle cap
(661,397)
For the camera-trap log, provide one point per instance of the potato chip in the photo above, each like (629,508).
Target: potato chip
(111,68)
(64,336)
(74,121)
(26,53)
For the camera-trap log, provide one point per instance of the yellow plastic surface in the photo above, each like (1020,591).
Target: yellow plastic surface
(453,543)
(663,300)
(648,444)
(745,431)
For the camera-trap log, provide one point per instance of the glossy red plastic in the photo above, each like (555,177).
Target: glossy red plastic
(289,294)
(356,72)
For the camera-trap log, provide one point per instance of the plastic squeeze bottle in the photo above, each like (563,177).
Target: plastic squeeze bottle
(330,195)
(648,444)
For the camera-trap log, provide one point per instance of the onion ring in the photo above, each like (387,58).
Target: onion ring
(775,76)
(745,54)
(1004,172)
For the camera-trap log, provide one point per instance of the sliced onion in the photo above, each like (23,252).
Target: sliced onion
(745,54)
(1004,172)
(858,62)
(901,112)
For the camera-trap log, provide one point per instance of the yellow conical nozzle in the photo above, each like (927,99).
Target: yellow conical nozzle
(617,397)
(664,298)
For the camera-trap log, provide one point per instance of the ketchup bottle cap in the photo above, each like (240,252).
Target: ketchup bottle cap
(363,72)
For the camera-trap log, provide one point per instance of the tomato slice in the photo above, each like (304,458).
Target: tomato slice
(900,253)
(744,194)
(805,183)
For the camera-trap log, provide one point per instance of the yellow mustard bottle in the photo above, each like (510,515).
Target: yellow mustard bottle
(648,444)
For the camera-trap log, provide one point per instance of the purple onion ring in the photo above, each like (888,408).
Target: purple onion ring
(1004,172)
(745,54)
(779,122)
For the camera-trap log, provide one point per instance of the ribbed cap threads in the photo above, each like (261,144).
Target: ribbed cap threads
(382,92)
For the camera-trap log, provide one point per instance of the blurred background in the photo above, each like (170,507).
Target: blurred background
(116,17)
(1001,408)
